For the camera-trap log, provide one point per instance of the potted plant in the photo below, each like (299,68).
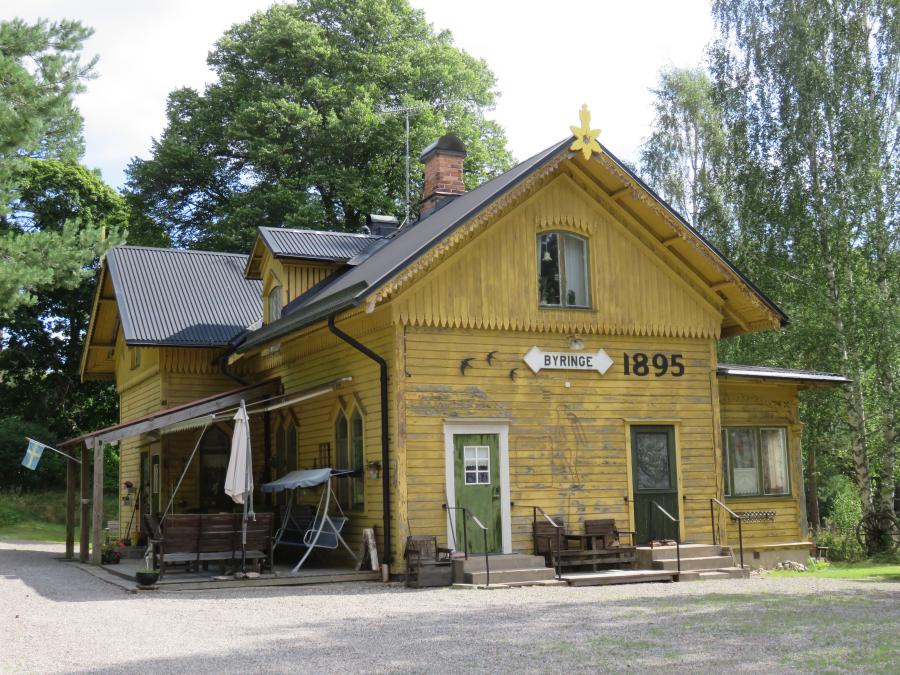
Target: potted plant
(146,577)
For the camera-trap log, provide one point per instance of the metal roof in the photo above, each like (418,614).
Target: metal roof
(183,298)
(315,244)
(768,372)
(377,264)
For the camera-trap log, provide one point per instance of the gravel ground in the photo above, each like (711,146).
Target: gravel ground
(55,617)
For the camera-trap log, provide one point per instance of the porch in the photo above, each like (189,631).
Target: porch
(181,579)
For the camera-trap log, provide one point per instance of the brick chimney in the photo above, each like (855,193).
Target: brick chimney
(443,162)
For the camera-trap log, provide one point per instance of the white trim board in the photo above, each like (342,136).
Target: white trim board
(501,429)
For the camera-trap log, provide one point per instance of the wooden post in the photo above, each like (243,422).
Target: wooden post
(84,541)
(71,465)
(97,514)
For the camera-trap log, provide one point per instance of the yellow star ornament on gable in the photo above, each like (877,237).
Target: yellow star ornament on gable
(585,137)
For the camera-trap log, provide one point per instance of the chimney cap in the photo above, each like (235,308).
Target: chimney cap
(448,144)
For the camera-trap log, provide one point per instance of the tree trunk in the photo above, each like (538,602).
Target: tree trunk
(812,482)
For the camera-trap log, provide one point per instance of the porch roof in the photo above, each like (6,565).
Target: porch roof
(181,413)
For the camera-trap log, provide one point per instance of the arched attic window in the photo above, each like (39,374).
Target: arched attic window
(274,302)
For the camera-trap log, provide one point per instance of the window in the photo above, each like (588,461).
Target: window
(477,460)
(215,449)
(562,270)
(275,303)
(349,443)
(135,358)
(756,461)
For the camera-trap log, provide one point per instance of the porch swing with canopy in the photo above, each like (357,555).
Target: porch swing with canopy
(323,530)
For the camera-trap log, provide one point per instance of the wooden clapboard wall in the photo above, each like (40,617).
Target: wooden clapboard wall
(758,404)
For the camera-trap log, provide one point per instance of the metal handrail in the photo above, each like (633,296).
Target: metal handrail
(534,511)
(677,534)
(484,530)
(739,519)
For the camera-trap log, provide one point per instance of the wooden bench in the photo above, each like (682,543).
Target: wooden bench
(200,539)
(578,550)
(605,538)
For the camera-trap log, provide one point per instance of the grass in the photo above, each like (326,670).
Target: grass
(41,516)
(863,570)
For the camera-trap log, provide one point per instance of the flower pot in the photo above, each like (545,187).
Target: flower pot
(146,579)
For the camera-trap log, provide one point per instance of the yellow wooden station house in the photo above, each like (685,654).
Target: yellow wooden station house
(545,343)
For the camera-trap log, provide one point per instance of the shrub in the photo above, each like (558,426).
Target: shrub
(842,544)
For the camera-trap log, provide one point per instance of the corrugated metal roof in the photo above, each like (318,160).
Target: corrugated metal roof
(375,265)
(185,298)
(768,372)
(315,244)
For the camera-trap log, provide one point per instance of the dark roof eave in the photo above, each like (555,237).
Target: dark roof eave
(775,308)
(300,319)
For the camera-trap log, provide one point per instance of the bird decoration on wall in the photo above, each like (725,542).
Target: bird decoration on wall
(512,374)
(491,357)
(465,364)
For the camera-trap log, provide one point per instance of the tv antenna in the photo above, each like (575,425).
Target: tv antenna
(406,111)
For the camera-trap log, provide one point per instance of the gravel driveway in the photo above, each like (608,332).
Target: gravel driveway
(55,617)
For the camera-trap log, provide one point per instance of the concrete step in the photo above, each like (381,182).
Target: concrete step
(712,562)
(610,577)
(510,576)
(508,561)
(721,573)
(646,555)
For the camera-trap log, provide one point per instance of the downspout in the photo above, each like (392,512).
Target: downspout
(385,473)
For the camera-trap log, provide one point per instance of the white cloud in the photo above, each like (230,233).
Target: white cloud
(549,58)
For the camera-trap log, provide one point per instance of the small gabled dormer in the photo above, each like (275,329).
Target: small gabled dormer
(290,262)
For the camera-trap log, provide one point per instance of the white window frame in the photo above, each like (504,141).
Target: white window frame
(475,426)
(478,451)
(563,286)
(761,467)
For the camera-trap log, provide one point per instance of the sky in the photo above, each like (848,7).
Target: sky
(549,58)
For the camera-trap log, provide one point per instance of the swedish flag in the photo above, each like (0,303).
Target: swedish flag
(33,454)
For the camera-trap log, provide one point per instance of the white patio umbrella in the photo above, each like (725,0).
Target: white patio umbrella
(239,479)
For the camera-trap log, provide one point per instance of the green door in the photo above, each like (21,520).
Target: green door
(655,480)
(477,478)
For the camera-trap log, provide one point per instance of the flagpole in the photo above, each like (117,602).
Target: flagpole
(44,445)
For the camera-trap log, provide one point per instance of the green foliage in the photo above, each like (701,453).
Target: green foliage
(842,544)
(797,122)
(42,515)
(51,471)
(292,133)
(843,509)
(683,156)
(40,73)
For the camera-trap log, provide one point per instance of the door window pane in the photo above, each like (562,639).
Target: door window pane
(215,450)
(575,258)
(774,455)
(744,461)
(548,264)
(477,464)
(652,457)
(342,459)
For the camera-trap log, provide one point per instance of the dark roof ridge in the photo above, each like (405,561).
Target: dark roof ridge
(170,249)
(334,232)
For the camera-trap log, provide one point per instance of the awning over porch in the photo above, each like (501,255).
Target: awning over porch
(172,416)
(260,397)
